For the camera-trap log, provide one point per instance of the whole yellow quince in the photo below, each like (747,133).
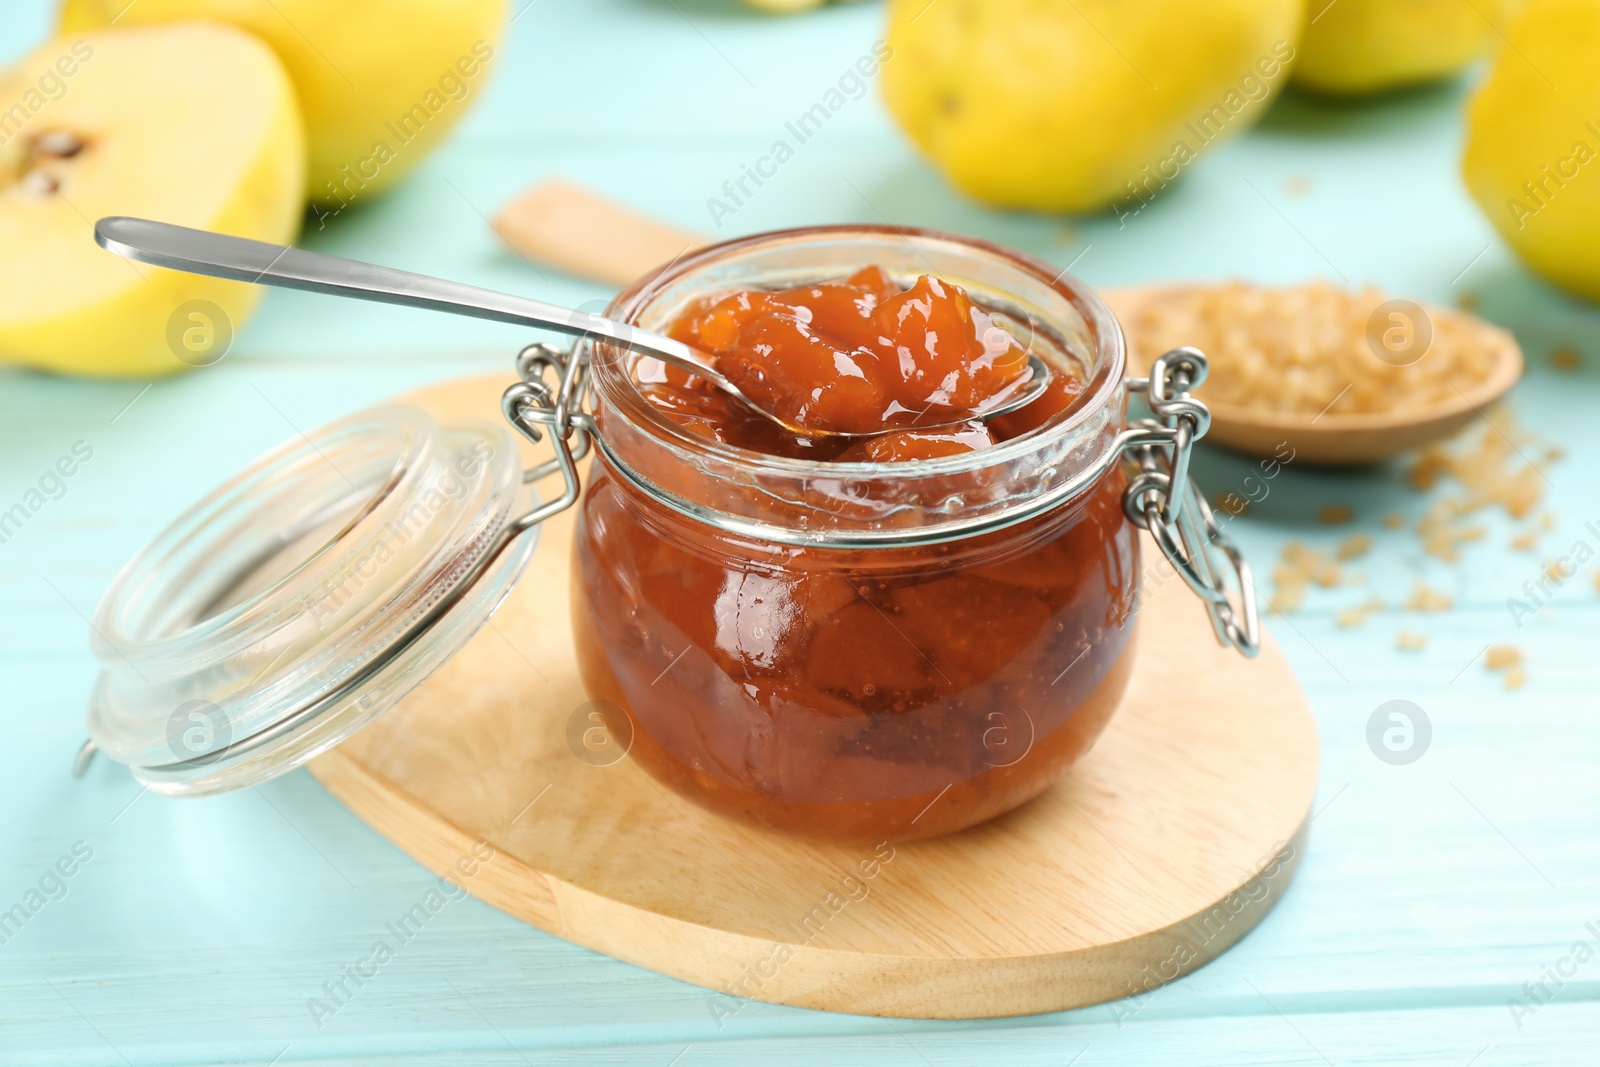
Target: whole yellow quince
(1074,106)
(1366,46)
(1533,150)
(790,7)
(380,81)
(785,7)
(195,124)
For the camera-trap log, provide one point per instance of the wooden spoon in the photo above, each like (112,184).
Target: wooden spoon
(1333,438)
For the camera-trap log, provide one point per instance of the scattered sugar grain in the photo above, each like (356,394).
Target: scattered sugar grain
(1355,546)
(1502,657)
(1357,615)
(1425,599)
(1406,641)
(1565,358)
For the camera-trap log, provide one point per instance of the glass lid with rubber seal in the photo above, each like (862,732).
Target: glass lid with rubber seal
(306,595)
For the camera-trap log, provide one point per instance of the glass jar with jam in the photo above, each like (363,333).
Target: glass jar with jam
(893,639)
(886,614)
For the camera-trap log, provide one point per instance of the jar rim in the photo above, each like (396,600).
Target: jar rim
(1104,384)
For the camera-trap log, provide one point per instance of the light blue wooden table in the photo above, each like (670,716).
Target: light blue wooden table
(1431,893)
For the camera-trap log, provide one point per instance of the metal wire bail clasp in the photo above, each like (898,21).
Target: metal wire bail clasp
(1163,499)
(546,402)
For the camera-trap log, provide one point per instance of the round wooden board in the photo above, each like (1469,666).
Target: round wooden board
(1163,847)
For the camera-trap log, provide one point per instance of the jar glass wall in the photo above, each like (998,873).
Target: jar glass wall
(858,651)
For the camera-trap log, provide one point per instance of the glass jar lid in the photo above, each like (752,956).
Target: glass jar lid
(304,596)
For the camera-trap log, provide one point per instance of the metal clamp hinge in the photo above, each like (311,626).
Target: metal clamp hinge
(1162,499)
(547,402)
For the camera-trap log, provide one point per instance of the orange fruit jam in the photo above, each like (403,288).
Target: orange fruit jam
(856,356)
(859,695)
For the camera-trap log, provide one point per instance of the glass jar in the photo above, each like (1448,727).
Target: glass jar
(839,650)
(860,651)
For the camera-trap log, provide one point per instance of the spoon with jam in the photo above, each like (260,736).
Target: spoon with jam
(853,359)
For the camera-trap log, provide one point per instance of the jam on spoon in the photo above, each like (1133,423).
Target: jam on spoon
(858,356)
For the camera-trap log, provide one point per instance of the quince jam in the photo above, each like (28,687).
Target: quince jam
(858,356)
(853,694)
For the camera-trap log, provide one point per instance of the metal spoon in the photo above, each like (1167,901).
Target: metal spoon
(219,256)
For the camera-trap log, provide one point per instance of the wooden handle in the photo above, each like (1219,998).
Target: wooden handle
(577,231)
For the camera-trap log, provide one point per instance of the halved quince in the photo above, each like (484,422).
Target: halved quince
(192,123)
(380,81)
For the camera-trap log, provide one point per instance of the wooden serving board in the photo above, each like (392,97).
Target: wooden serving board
(1164,846)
